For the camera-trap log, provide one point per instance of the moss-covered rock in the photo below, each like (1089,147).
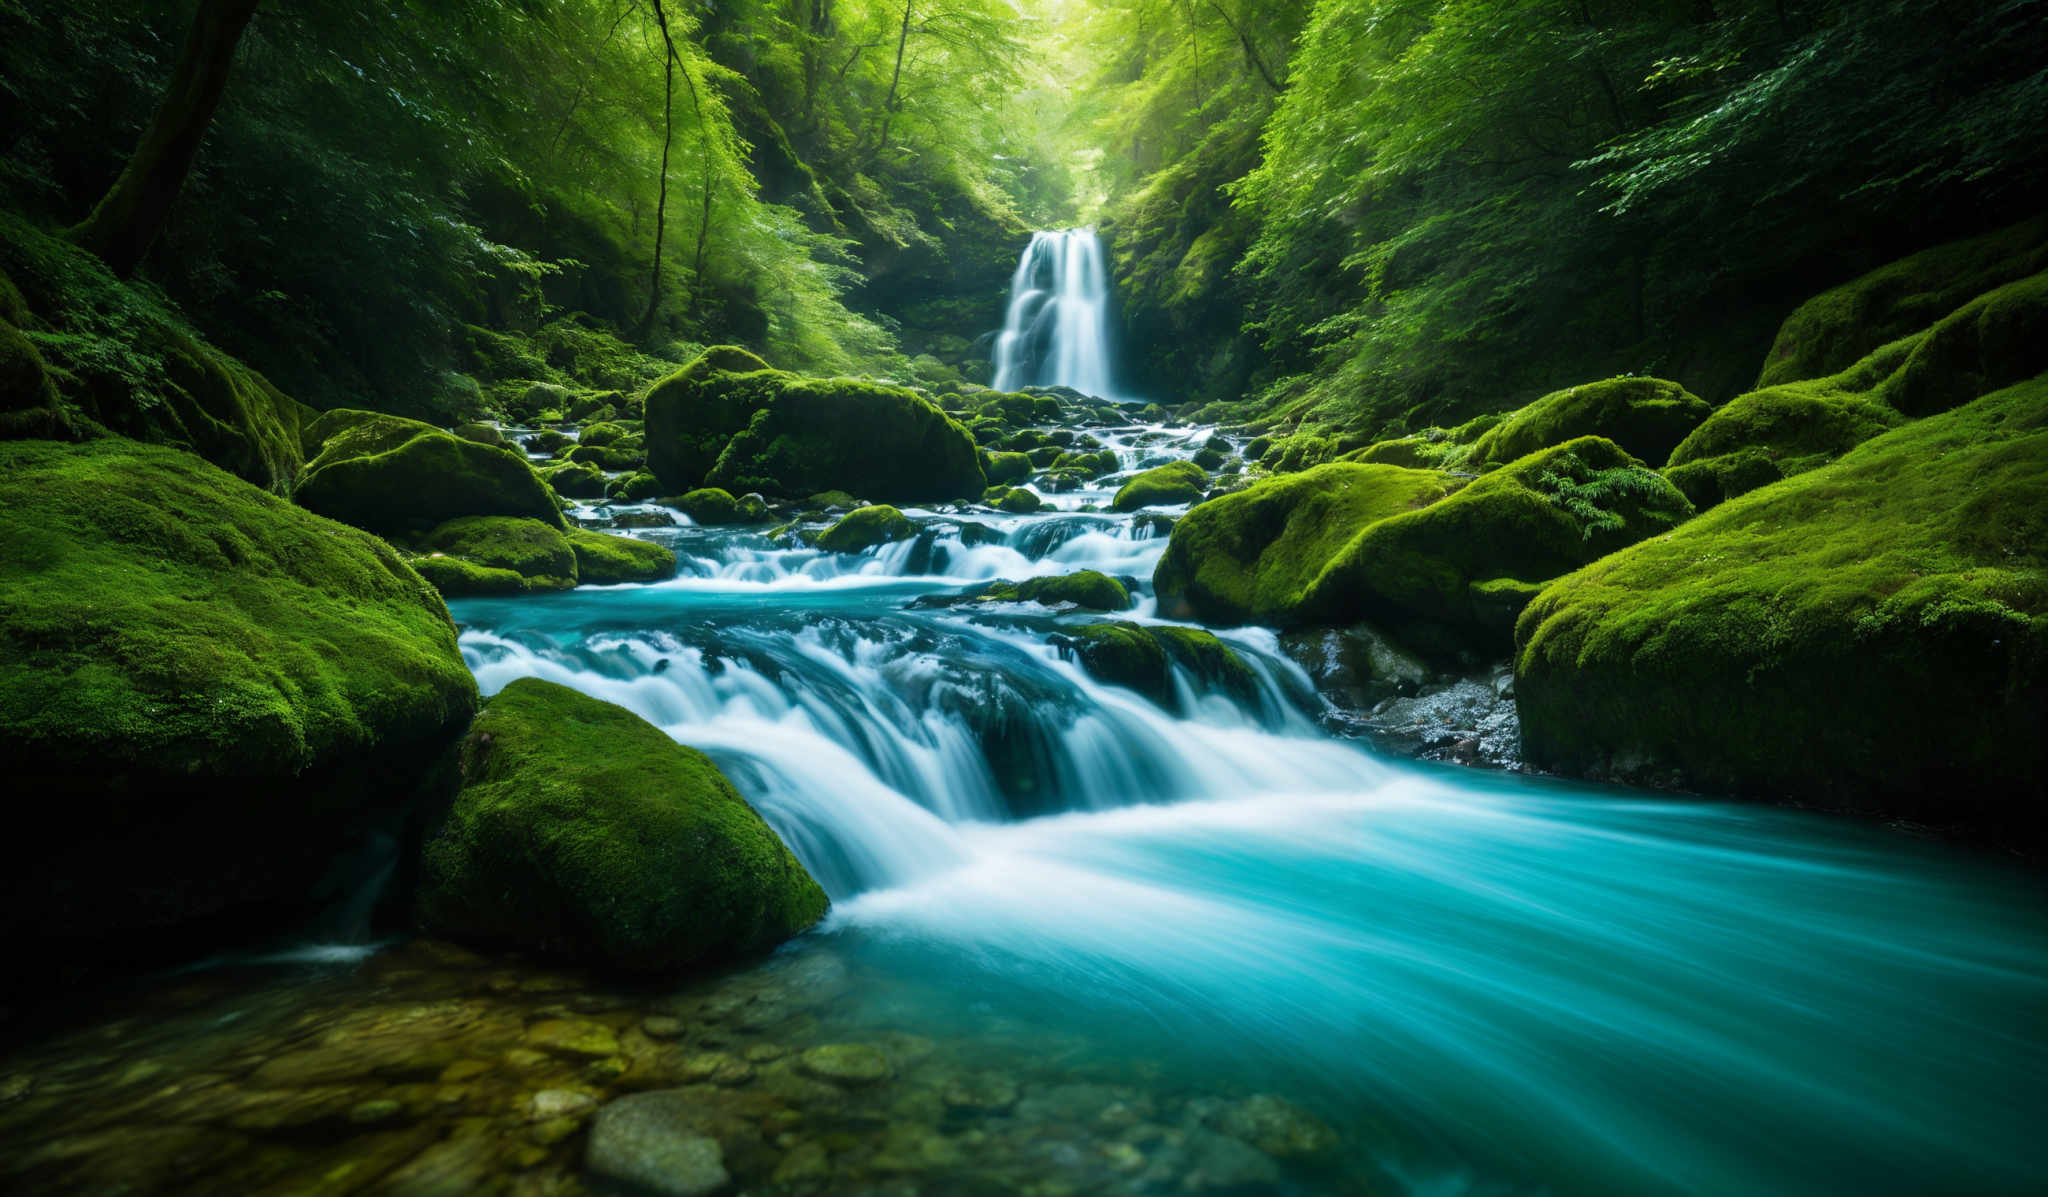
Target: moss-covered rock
(727,420)
(1462,567)
(1163,486)
(603,560)
(576,480)
(1647,417)
(618,457)
(455,577)
(538,553)
(1251,557)
(29,404)
(582,831)
(207,695)
(601,433)
(1015,500)
(1088,589)
(637,487)
(123,358)
(1004,469)
(389,474)
(1871,635)
(1839,328)
(710,506)
(1143,659)
(484,434)
(866,527)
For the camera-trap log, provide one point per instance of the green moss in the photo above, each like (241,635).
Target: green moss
(1143,659)
(388,474)
(201,686)
(1006,468)
(727,420)
(866,527)
(637,487)
(457,578)
(1532,520)
(1164,486)
(1089,589)
(1421,452)
(604,560)
(539,553)
(1647,417)
(1872,634)
(615,458)
(1019,501)
(483,434)
(603,432)
(1251,557)
(1838,328)
(582,831)
(709,505)
(123,358)
(29,404)
(575,480)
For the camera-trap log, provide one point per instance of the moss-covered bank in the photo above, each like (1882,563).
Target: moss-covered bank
(582,831)
(1871,635)
(207,694)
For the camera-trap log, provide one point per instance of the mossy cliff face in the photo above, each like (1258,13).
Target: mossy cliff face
(1251,557)
(1647,417)
(1871,635)
(121,358)
(582,831)
(727,420)
(390,474)
(206,693)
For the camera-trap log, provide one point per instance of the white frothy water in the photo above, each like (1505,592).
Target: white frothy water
(1056,331)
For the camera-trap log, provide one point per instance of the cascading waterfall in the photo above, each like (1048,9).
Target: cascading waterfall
(1056,330)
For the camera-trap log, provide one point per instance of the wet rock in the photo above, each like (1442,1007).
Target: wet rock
(1471,720)
(650,1141)
(408,1043)
(1276,1126)
(805,1162)
(846,1063)
(453,1168)
(1218,1163)
(915,1147)
(374,1111)
(566,1037)
(982,1092)
(661,1026)
(558,1103)
(718,1068)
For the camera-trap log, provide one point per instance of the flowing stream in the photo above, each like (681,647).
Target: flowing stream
(1485,983)
(1056,330)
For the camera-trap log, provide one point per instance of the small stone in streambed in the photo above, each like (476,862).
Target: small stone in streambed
(1275,1126)
(558,1103)
(649,1141)
(985,1092)
(661,1026)
(805,1162)
(1221,1163)
(369,1113)
(568,1037)
(719,1068)
(846,1063)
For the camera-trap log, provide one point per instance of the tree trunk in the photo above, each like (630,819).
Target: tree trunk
(668,105)
(889,104)
(126,221)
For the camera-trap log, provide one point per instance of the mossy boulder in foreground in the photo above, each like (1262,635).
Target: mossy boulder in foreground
(207,696)
(1871,635)
(1088,589)
(727,420)
(582,831)
(1251,557)
(390,474)
(603,560)
(1647,417)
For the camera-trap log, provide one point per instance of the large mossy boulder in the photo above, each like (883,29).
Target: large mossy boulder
(473,554)
(123,359)
(390,475)
(603,560)
(1993,340)
(207,697)
(1871,635)
(727,420)
(1146,658)
(1647,417)
(1251,557)
(1456,573)
(582,831)
(1170,485)
(1838,328)
(865,527)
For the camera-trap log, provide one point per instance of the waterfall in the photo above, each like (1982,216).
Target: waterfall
(1056,331)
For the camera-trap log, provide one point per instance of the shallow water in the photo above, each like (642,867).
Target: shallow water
(1103,947)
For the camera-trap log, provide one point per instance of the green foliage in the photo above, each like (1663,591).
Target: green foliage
(582,831)
(1872,634)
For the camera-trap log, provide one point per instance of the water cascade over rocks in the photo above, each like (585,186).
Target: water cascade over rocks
(1056,331)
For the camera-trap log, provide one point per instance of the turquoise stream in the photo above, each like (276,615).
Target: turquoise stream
(1486,983)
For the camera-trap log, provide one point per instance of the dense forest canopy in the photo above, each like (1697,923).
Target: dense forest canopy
(1375,213)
